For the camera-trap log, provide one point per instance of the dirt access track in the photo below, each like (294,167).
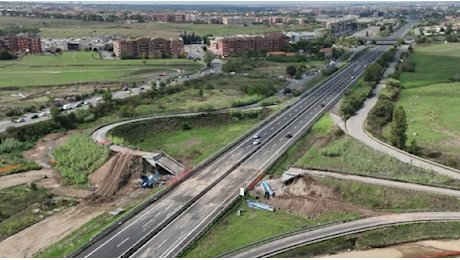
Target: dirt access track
(123,169)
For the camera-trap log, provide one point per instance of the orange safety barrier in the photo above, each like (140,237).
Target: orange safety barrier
(104,142)
(179,177)
(442,254)
(9,168)
(256,181)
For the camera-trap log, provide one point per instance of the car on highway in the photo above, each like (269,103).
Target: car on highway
(288,136)
(20,120)
(256,142)
(256,136)
(352,77)
(322,105)
(34,116)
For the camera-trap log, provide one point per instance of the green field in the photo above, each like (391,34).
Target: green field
(435,118)
(433,64)
(81,67)
(63,28)
(208,134)
(218,92)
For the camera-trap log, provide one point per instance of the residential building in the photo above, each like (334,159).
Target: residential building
(238,20)
(21,43)
(327,52)
(135,48)
(168,18)
(225,46)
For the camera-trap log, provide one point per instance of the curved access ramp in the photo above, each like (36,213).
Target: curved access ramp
(284,244)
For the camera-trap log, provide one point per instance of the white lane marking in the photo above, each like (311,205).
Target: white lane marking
(183,224)
(273,145)
(123,242)
(265,153)
(162,243)
(248,146)
(295,126)
(265,134)
(272,128)
(279,123)
(301,121)
(178,190)
(256,160)
(150,221)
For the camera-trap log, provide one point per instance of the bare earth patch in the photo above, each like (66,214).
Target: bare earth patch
(21,178)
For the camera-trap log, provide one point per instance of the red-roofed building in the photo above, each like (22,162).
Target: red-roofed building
(226,46)
(327,52)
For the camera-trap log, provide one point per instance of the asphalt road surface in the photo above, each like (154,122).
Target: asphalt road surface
(136,231)
(181,231)
(285,244)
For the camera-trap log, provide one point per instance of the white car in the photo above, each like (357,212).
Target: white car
(20,120)
(256,136)
(232,73)
(256,142)
(352,77)
(43,114)
(99,99)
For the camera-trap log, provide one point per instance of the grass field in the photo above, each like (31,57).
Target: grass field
(207,135)
(81,67)
(218,92)
(435,118)
(433,64)
(63,28)
(349,155)
(379,238)
(233,231)
(279,68)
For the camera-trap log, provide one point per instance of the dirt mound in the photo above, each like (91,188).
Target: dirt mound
(308,198)
(118,175)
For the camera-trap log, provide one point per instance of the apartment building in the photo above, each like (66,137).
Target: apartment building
(169,18)
(302,36)
(134,48)
(225,46)
(21,43)
(238,20)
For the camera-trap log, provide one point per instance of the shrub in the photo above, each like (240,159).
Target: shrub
(186,127)
(10,145)
(246,101)
(451,162)
(269,102)
(250,114)
(338,132)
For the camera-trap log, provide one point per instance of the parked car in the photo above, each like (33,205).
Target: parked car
(99,99)
(20,120)
(34,116)
(142,88)
(43,114)
(125,89)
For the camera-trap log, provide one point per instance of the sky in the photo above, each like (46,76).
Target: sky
(215,2)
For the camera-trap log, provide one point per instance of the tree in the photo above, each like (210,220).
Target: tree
(4,55)
(107,96)
(200,92)
(144,56)
(414,149)
(152,55)
(373,72)
(58,50)
(204,48)
(133,84)
(291,70)
(55,113)
(367,34)
(263,51)
(208,57)
(398,128)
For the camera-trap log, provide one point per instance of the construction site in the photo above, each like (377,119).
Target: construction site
(125,179)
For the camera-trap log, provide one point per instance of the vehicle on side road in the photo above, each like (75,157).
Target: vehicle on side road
(20,120)
(43,114)
(34,116)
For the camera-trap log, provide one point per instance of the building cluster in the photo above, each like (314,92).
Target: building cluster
(20,43)
(302,36)
(148,47)
(226,46)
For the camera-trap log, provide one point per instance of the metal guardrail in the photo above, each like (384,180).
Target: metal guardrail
(383,178)
(287,234)
(156,196)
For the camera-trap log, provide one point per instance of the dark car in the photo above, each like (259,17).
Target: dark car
(322,105)
(125,89)
(142,88)
(34,117)
(288,136)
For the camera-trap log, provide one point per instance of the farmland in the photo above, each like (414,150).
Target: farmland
(81,67)
(63,28)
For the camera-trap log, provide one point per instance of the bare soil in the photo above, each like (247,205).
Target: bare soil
(308,198)
(12,180)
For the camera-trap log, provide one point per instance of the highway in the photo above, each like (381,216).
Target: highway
(183,229)
(133,233)
(288,243)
